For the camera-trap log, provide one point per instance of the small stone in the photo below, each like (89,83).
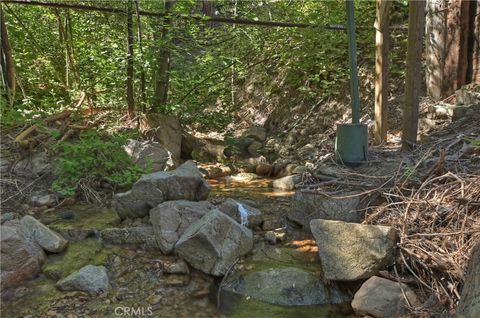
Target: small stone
(66,215)
(379,297)
(271,237)
(281,236)
(271,224)
(89,278)
(177,280)
(7,217)
(287,183)
(178,267)
(42,200)
(154,299)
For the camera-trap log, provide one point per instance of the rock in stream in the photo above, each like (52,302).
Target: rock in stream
(184,183)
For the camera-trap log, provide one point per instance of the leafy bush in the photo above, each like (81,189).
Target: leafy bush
(95,159)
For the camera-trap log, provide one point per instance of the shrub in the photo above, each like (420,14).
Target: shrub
(94,159)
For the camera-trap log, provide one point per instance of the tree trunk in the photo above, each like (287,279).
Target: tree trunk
(413,80)
(451,37)
(7,65)
(473,75)
(435,46)
(455,70)
(381,71)
(129,81)
(160,97)
(140,48)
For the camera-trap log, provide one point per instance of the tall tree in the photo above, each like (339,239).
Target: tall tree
(143,93)
(413,80)
(6,58)
(452,35)
(129,81)
(160,96)
(381,70)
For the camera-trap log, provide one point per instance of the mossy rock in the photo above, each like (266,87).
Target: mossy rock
(87,220)
(247,308)
(77,255)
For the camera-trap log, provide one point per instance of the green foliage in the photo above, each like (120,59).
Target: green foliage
(213,66)
(473,142)
(94,158)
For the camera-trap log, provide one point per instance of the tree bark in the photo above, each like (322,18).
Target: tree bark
(435,47)
(143,93)
(160,97)
(413,80)
(7,64)
(473,75)
(455,71)
(129,81)
(381,71)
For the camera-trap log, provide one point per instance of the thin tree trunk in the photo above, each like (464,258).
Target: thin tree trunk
(160,97)
(413,80)
(71,47)
(232,78)
(143,93)
(381,71)
(7,65)
(129,82)
(62,38)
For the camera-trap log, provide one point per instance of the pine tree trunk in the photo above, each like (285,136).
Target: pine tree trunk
(381,71)
(413,80)
(7,65)
(129,82)
(160,97)
(143,93)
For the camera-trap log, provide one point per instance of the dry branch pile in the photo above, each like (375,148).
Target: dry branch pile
(438,222)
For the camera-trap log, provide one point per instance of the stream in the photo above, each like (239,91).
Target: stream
(141,289)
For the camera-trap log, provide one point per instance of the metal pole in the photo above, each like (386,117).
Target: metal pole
(352,55)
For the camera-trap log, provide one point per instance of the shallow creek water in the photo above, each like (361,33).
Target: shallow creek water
(140,289)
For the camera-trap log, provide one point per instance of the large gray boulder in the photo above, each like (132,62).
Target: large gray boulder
(381,298)
(21,256)
(35,165)
(469,305)
(149,155)
(48,239)
(184,183)
(287,286)
(213,243)
(137,235)
(309,206)
(91,279)
(166,130)
(170,220)
(350,251)
(234,208)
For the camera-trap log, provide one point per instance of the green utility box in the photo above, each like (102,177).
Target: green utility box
(351,144)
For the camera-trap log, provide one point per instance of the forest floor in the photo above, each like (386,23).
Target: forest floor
(430,195)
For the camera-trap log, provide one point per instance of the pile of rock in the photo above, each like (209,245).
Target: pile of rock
(208,237)
(23,245)
(352,252)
